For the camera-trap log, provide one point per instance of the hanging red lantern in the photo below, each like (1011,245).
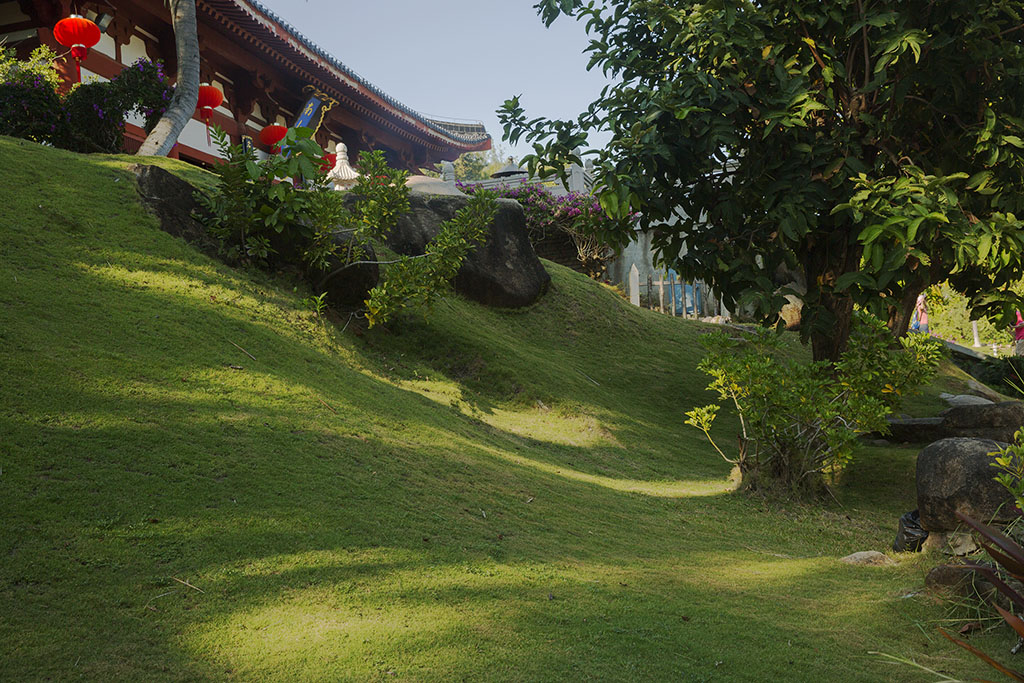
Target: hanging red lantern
(79,34)
(273,134)
(209,98)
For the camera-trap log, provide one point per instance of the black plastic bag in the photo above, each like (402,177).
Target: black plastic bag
(909,536)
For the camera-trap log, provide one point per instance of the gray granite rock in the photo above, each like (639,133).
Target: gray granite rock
(955,475)
(504,271)
(870,558)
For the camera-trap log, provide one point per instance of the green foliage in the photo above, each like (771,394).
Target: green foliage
(36,71)
(799,421)
(95,114)
(29,105)
(90,118)
(263,218)
(874,147)
(31,112)
(257,212)
(416,281)
(949,316)
(479,165)
(143,88)
(1010,463)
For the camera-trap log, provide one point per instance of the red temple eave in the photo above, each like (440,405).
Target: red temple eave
(337,82)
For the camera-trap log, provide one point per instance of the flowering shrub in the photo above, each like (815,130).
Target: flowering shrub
(90,118)
(144,89)
(576,214)
(30,112)
(96,111)
(35,71)
(29,105)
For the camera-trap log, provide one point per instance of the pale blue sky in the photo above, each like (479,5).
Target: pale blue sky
(455,58)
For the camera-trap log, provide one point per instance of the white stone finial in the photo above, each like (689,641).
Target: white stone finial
(344,176)
(448,171)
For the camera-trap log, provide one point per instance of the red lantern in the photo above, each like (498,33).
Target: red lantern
(273,134)
(328,161)
(79,34)
(209,97)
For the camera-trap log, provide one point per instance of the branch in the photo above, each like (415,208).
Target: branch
(327,277)
(867,53)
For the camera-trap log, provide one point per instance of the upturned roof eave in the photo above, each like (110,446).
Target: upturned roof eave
(344,79)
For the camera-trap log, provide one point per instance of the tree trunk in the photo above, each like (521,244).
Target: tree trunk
(829,345)
(823,263)
(899,316)
(186,90)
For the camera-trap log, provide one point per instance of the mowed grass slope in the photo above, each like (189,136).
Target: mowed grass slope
(482,495)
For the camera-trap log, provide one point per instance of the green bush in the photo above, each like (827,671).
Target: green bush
(95,114)
(30,107)
(96,111)
(36,71)
(798,421)
(261,217)
(949,317)
(91,117)
(32,112)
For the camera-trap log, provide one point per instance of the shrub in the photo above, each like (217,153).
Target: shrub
(90,118)
(143,88)
(96,111)
(29,105)
(35,71)
(32,112)
(798,422)
(261,217)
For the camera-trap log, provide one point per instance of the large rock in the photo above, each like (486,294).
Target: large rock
(503,271)
(998,421)
(956,475)
(172,201)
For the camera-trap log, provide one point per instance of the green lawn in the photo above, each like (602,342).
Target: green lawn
(481,495)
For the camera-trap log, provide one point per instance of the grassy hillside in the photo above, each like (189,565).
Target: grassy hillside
(200,481)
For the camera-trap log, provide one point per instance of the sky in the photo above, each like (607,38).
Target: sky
(456,59)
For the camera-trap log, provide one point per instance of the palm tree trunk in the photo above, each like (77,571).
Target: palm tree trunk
(186,91)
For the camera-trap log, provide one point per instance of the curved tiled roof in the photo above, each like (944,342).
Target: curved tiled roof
(462,134)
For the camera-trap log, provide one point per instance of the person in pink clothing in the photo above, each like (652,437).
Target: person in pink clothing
(1018,336)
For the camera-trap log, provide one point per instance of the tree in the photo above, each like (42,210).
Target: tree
(875,146)
(186,91)
(479,165)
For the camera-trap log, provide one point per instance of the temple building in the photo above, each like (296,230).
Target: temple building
(268,72)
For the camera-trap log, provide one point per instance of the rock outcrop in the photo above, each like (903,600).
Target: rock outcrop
(504,271)
(956,475)
(172,201)
(998,421)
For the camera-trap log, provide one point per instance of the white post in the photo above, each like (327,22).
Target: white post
(634,285)
(675,301)
(974,328)
(661,293)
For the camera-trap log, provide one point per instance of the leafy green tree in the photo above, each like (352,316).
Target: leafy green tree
(479,165)
(875,146)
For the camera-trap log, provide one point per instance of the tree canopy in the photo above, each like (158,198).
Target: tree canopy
(875,146)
